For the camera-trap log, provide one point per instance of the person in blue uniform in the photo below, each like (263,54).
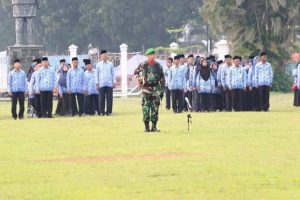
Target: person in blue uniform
(17,87)
(75,84)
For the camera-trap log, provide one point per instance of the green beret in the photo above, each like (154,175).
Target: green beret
(150,51)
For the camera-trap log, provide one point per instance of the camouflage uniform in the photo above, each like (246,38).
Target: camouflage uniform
(152,80)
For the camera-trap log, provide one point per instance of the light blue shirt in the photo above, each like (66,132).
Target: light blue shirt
(89,82)
(204,86)
(33,86)
(46,79)
(237,78)
(263,74)
(177,78)
(224,76)
(105,74)
(17,81)
(190,82)
(298,76)
(166,74)
(75,80)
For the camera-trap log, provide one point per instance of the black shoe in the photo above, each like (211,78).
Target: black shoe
(50,117)
(147,128)
(154,129)
(21,117)
(108,114)
(15,118)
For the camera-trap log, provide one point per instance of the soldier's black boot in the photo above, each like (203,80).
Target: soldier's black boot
(147,128)
(154,128)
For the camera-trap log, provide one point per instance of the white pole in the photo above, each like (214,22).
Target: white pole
(173,46)
(73,51)
(124,68)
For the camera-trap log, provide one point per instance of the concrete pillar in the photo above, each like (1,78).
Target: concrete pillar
(173,46)
(73,51)
(124,68)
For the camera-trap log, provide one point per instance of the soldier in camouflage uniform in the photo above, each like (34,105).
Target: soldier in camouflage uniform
(152,81)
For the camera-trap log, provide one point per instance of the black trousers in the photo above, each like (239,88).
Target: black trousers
(168,98)
(38,110)
(177,100)
(228,100)
(206,99)
(66,105)
(247,103)
(194,101)
(237,99)
(297,98)
(59,109)
(217,102)
(255,99)
(264,97)
(223,97)
(92,104)
(198,102)
(17,97)
(77,98)
(105,98)
(46,103)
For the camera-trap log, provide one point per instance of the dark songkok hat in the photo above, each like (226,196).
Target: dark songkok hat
(75,59)
(62,60)
(227,56)
(44,59)
(17,61)
(87,61)
(177,57)
(237,57)
(191,56)
(220,62)
(103,52)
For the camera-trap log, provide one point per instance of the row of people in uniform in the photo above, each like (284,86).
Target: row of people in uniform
(210,85)
(296,84)
(80,91)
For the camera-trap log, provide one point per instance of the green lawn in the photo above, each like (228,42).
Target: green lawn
(225,156)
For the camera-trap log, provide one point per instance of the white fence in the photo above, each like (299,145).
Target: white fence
(3,71)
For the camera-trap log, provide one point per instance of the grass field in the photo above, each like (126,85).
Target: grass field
(225,156)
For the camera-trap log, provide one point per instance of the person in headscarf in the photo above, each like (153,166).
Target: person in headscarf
(216,91)
(253,85)
(205,83)
(63,91)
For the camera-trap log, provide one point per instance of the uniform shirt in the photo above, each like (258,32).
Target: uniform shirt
(89,82)
(298,75)
(62,89)
(237,78)
(264,74)
(166,74)
(33,86)
(17,81)
(219,74)
(177,78)
(105,74)
(251,77)
(204,86)
(46,80)
(190,78)
(75,80)
(224,76)
(295,75)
